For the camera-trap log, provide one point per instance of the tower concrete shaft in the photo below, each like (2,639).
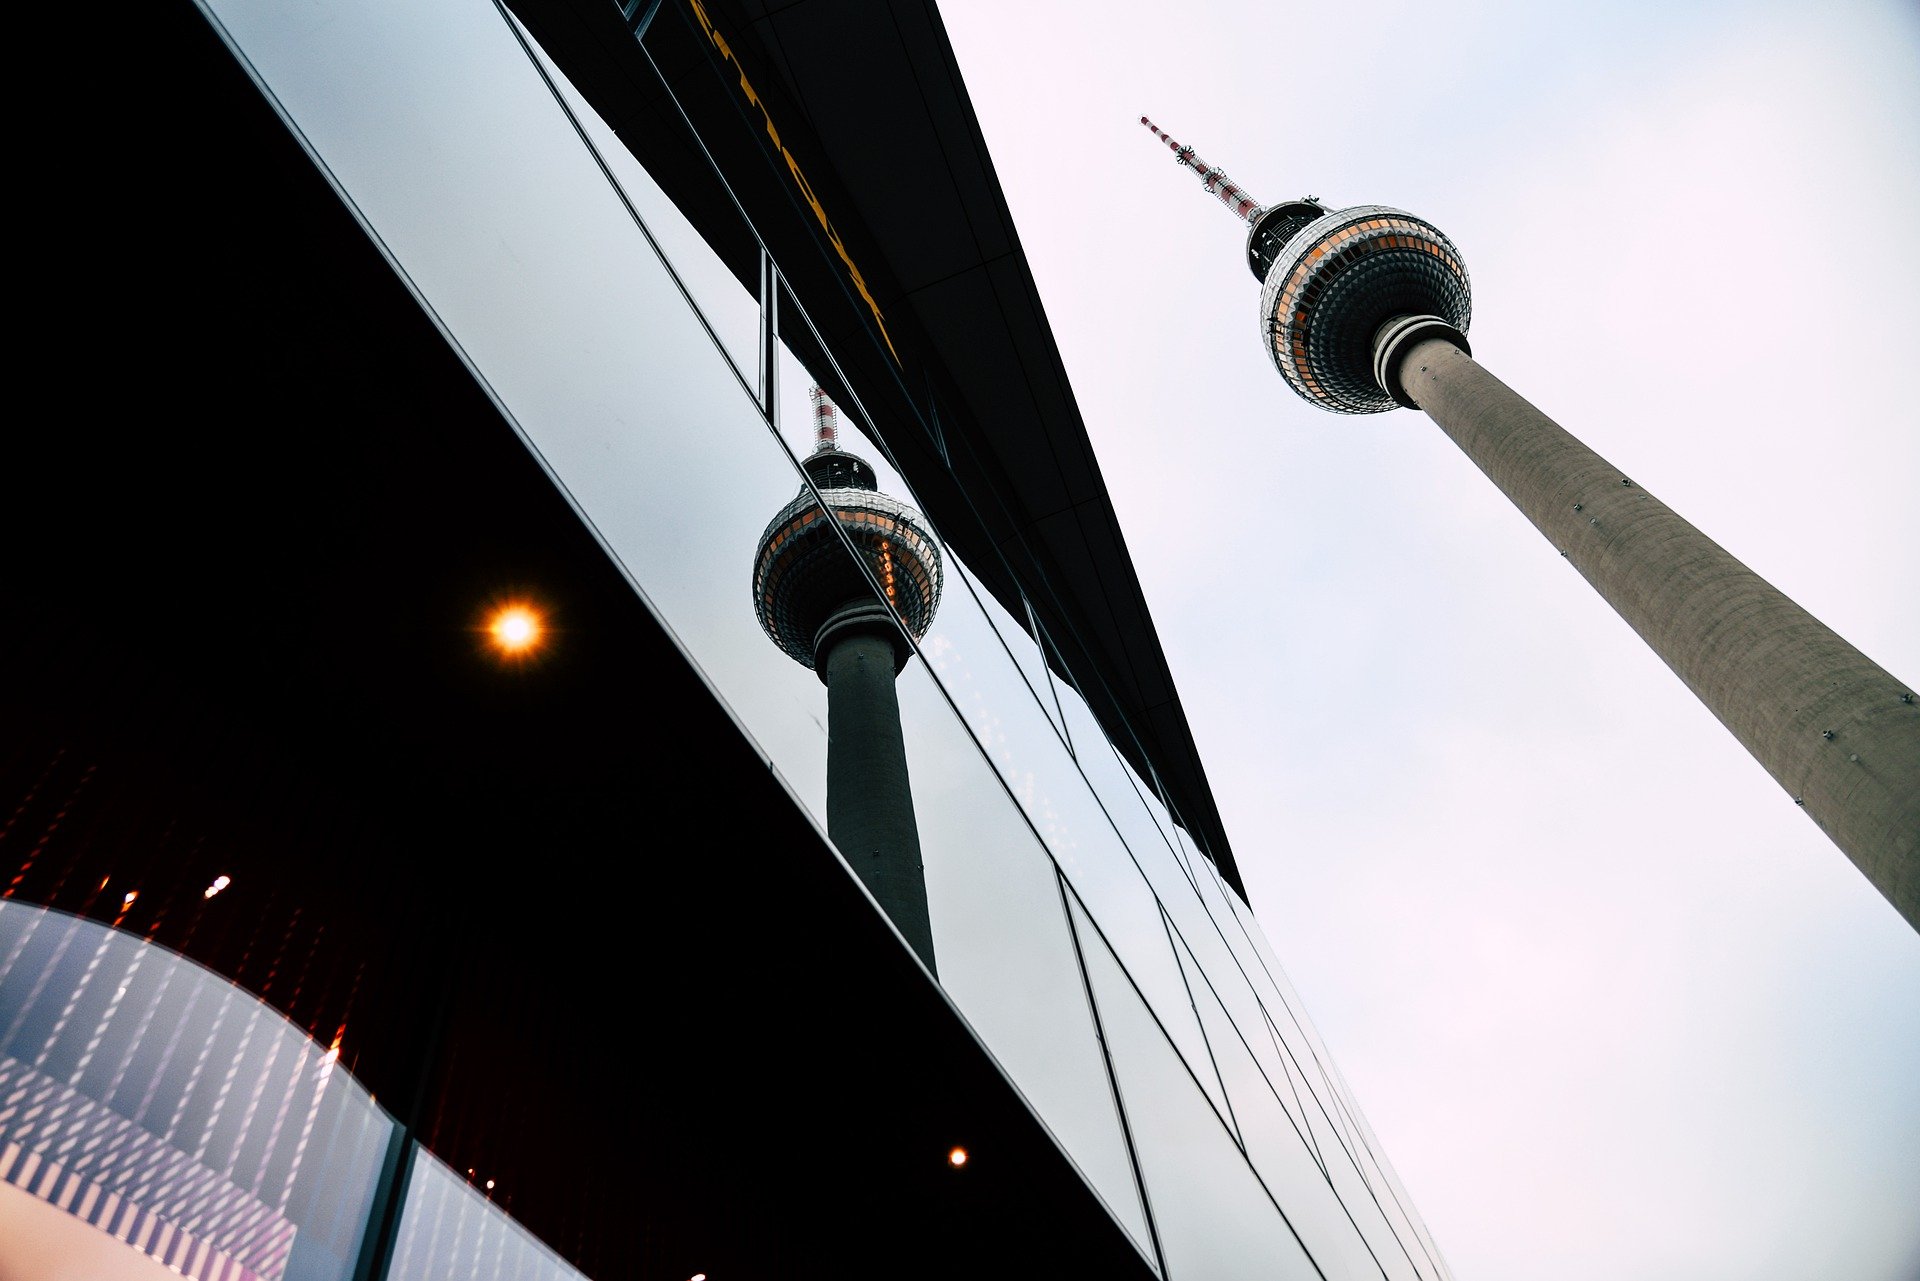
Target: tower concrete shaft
(1833,727)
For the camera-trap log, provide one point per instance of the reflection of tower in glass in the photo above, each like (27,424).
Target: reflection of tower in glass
(819,606)
(1365,308)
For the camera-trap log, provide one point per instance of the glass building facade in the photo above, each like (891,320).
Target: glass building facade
(180,1065)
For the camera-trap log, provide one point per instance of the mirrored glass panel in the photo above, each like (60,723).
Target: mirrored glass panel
(1040,772)
(159,1105)
(1305,1058)
(1215,1220)
(1178,892)
(1208,927)
(1395,1257)
(1277,1144)
(451,1229)
(729,308)
(1112,783)
(997,695)
(1002,946)
(1110,881)
(1385,1183)
(1026,652)
(1153,795)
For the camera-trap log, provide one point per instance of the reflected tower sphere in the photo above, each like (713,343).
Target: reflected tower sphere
(848,614)
(1366,308)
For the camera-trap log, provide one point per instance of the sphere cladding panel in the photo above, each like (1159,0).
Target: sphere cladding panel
(803,572)
(1337,281)
(1277,225)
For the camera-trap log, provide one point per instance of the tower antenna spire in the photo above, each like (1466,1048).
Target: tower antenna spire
(826,423)
(1214,178)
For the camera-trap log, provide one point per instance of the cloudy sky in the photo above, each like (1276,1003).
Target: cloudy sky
(1612,1003)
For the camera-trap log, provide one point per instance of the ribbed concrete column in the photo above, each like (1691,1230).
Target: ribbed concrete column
(869,798)
(1832,727)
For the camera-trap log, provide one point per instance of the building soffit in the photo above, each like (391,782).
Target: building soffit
(941,337)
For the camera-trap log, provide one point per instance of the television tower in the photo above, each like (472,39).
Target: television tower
(818,605)
(1366,308)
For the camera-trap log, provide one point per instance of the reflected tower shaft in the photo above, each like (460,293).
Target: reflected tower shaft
(819,604)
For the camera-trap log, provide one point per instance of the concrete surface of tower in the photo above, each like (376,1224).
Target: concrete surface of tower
(1367,307)
(824,568)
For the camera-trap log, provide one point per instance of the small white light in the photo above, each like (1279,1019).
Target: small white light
(128,900)
(489,1185)
(957,1157)
(698,1276)
(219,883)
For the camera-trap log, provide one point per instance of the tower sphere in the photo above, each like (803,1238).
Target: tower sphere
(803,576)
(1336,280)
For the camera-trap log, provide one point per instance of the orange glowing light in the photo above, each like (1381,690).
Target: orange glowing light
(128,900)
(957,1158)
(516,629)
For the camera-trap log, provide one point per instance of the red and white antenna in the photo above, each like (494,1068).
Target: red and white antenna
(1212,176)
(826,423)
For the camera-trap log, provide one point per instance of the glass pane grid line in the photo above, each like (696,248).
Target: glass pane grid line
(1206,1040)
(1335,1116)
(966,579)
(1340,1124)
(1336,1089)
(1332,1103)
(1340,1101)
(1160,1026)
(539,66)
(1113,1078)
(1336,1123)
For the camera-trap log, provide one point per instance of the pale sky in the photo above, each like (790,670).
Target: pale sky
(1612,1003)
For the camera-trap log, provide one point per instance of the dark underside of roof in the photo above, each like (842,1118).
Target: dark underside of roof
(858,149)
